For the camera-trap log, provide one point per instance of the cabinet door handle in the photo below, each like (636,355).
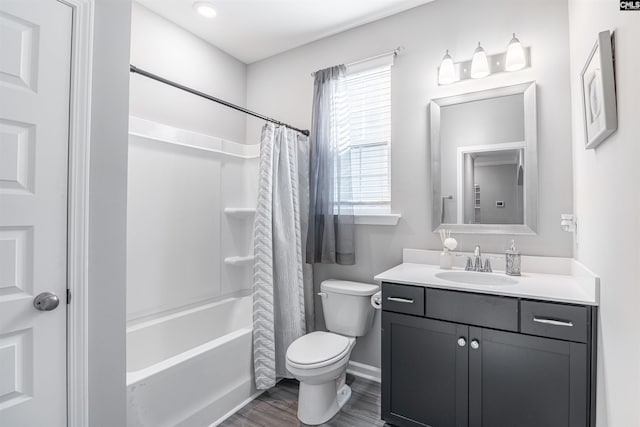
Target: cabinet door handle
(554,322)
(462,342)
(398,299)
(475,344)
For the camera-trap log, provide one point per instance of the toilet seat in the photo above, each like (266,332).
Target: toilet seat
(318,349)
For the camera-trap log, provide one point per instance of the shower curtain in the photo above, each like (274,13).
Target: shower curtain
(282,282)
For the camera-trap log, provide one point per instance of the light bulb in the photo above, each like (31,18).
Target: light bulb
(515,55)
(447,72)
(479,63)
(205,9)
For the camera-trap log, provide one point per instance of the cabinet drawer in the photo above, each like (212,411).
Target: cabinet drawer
(403,299)
(561,321)
(473,309)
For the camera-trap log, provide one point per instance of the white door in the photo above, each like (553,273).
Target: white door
(35,55)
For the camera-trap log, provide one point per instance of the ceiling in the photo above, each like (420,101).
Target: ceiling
(251,30)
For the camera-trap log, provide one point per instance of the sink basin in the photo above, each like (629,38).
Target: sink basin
(475,278)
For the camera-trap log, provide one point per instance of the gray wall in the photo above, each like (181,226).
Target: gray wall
(607,205)
(107,214)
(163,48)
(281,86)
(499,182)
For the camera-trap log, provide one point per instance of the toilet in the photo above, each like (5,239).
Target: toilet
(319,359)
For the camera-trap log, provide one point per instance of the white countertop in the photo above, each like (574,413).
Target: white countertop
(579,286)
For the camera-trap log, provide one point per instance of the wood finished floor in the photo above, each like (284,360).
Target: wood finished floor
(278,407)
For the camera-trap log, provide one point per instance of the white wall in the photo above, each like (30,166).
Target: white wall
(607,205)
(107,214)
(163,48)
(281,86)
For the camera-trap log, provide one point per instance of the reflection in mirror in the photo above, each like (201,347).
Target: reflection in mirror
(491,190)
(484,161)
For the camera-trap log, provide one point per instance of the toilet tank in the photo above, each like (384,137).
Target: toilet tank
(347,306)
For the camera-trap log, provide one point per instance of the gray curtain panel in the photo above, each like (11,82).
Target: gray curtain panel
(282,295)
(330,239)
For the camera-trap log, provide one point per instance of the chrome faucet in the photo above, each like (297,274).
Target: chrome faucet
(476,264)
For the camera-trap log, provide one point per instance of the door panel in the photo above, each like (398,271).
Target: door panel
(35,38)
(425,372)
(525,381)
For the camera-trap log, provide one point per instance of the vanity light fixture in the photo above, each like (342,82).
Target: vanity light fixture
(479,63)
(446,72)
(515,56)
(205,9)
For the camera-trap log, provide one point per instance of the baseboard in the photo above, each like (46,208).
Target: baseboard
(364,371)
(237,408)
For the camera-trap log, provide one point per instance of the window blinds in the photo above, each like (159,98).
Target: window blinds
(366,184)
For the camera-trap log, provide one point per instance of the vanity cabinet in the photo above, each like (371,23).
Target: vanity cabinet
(482,360)
(424,373)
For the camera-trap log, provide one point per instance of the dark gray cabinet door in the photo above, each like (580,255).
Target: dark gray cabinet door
(524,381)
(424,372)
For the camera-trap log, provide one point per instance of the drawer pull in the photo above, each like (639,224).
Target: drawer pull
(398,299)
(553,322)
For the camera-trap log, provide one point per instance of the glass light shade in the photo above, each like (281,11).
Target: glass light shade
(447,72)
(515,55)
(205,9)
(479,63)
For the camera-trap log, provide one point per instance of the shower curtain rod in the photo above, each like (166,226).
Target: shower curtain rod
(156,77)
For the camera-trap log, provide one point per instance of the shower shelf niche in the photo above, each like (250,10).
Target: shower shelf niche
(240,212)
(239,260)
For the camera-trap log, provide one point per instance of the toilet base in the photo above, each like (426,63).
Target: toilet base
(318,403)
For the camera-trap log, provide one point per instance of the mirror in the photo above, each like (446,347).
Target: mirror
(484,161)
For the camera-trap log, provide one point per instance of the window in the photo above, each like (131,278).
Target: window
(366,182)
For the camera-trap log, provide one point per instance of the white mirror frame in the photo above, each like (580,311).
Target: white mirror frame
(530,225)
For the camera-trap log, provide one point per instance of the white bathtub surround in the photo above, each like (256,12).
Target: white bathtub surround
(241,213)
(179,183)
(280,291)
(239,260)
(189,313)
(180,373)
(544,278)
(162,133)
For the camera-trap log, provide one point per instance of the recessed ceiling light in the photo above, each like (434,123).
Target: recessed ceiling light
(205,9)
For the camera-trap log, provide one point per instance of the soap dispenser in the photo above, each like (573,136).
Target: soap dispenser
(512,260)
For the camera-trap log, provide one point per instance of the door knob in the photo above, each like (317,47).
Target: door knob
(475,344)
(462,342)
(46,301)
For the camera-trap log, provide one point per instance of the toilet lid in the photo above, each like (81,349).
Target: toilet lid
(317,347)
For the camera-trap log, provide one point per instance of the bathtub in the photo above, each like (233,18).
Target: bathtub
(190,368)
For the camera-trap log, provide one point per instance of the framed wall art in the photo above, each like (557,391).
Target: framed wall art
(599,92)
